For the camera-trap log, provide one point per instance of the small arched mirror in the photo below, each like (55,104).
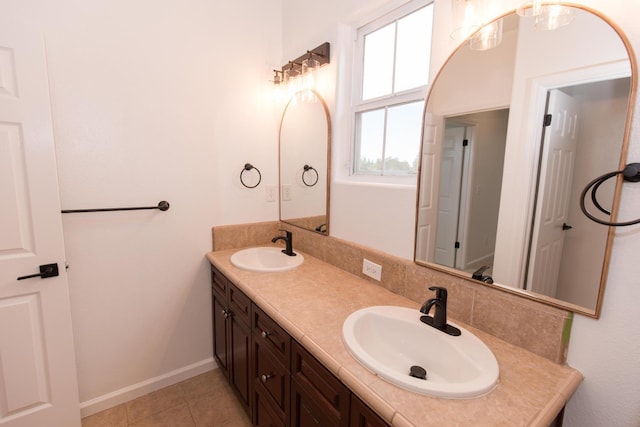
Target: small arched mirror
(512,135)
(304,162)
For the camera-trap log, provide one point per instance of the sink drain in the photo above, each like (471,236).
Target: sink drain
(418,372)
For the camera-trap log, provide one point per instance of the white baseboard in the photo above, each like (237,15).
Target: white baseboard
(131,392)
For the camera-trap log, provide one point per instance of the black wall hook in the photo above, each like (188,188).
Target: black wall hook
(248,167)
(631,173)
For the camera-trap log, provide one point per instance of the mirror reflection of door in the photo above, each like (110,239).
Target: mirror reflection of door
(555,179)
(470,177)
(451,171)
(565,248)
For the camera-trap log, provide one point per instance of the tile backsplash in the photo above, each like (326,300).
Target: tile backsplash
(536,327)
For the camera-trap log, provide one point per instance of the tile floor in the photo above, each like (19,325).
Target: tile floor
(202,401)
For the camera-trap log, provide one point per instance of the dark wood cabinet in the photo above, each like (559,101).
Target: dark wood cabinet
(264,413)
(232,335)
(319,398)
(220,333)
(363,416)
(271,355)
(279,382)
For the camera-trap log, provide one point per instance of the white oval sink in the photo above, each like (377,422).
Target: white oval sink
(390,340)
(265,259)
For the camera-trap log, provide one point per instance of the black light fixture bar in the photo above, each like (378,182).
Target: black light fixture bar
(322,54)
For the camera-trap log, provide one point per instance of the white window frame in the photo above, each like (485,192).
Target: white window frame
(398,98)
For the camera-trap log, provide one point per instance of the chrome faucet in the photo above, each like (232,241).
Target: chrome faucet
(288,240)
(439,319)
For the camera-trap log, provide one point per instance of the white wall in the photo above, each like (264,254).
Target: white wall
(605,350)
(154,100)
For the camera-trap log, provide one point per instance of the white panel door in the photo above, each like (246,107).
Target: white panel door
(556,176)
(449,196)
(38,385)
(429,182)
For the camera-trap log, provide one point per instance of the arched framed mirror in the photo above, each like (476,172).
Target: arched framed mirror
(511,137)
(305,156)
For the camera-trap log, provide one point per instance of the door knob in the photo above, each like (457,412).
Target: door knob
(46,270)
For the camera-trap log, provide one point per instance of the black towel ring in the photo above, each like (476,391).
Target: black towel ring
(248,167)
(631,173)
(308,168)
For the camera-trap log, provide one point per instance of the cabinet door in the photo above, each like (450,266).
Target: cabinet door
(307,410)
(264,415)
(240,354)
(318,397)
(220,334)
(271,377)
(363,416)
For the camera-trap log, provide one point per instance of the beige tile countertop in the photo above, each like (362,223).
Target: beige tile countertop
(312,302)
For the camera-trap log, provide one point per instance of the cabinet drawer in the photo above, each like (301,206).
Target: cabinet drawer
(275,338)
(320,385)
(271,376)
(240,305)
(219,283)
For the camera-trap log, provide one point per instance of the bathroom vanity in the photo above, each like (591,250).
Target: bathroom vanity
(278,382)
(278,338)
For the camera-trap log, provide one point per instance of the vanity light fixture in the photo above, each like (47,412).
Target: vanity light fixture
(469,22)
(487,37)
(554,16)
(299,73)
(466,18)
(530,8)
(548,16)
(277,77)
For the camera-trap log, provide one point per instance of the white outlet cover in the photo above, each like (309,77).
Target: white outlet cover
(371,269)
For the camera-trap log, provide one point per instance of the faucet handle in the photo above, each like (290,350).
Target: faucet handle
(441,293)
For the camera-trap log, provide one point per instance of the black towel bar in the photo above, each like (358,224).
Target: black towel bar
(163,206)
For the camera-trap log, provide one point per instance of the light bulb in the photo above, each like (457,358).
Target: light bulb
(553,17)
(487,37)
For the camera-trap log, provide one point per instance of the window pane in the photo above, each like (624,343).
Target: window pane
(371,132)
(403,139)
(377,73)
(413,49)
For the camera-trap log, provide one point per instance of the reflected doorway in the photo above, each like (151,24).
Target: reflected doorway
(561,269)
(470,176)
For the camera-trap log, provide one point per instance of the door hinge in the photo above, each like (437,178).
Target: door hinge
(465,142)
(547,120)
(457,245)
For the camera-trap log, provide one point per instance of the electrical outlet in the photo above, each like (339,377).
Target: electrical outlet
(371,269)
(272,193)
(286,192)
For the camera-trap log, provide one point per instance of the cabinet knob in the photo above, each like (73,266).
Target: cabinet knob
(265,377)
(265,334)
(226,314)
